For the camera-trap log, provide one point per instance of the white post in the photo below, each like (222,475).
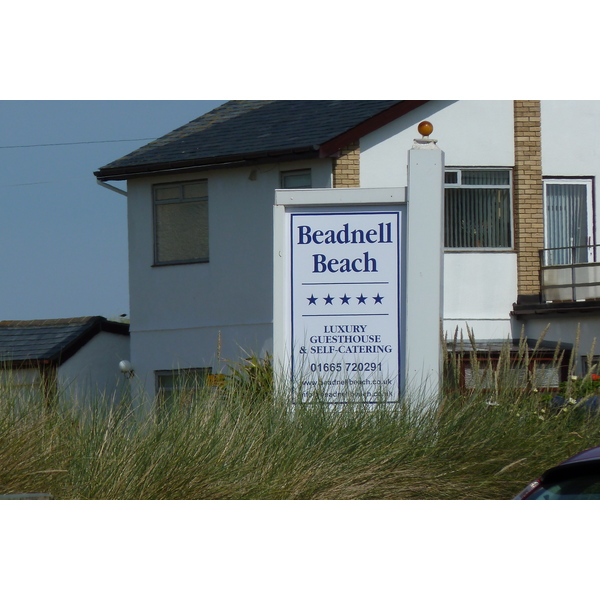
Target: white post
(424,277)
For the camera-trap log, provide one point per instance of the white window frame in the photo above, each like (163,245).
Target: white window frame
(588,182)
(295,173)
(458,184)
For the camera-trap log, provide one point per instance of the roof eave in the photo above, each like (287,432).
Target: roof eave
(60,353)
(95,326)
(27,363)
(222,162)
(403,107)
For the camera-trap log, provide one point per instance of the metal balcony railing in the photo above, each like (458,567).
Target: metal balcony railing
(570,274)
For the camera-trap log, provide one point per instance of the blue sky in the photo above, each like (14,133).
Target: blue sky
(63,238)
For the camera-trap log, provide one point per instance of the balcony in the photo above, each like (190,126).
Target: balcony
(570,274)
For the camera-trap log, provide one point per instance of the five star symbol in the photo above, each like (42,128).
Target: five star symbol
(362,299)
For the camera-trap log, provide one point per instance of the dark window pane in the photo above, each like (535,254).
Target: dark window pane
(485,177)
(477,218)
(182,231)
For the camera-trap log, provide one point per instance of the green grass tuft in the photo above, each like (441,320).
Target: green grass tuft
(244,441)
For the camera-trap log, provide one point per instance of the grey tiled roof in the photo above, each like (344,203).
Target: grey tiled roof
(249,128)
(52,340)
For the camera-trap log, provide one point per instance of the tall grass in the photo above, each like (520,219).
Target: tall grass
(244,441)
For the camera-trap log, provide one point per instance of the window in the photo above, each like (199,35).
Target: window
(591,364)
(539,374)
(181,223)
(504,366)
(292,180)
(179,387)
(568,221)
(478,209)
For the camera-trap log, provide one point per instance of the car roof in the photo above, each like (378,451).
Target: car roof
(582,464)
(589,454)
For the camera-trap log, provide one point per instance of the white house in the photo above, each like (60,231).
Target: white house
(75,360)
(519,184)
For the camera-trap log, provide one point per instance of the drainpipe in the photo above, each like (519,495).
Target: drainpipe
(111,187)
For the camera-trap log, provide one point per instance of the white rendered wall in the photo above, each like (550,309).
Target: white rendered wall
(470,132)
(93,374)
(479,290)
(479,287)
(178,311)
(26,383)
(570,131)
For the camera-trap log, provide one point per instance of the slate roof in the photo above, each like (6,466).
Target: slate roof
(50,341)
(243,130)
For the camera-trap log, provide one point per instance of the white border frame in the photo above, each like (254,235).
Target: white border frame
(342,199)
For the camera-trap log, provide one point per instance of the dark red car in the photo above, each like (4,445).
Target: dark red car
(577,478)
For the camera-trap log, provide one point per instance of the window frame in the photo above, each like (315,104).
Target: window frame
(295,172)
(181,200)
(588,182)
(166,395)
(590,364)
(475,370)
(459,185)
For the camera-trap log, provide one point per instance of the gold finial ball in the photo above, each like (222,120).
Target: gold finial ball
(425,128)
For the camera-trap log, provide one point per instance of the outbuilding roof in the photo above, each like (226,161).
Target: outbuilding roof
(50,340)
(249,131)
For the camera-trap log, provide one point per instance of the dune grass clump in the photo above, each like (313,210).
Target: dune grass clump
(245,440)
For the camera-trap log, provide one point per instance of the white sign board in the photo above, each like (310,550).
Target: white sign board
(345,301)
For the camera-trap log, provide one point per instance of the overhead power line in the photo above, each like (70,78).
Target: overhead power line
(76,143)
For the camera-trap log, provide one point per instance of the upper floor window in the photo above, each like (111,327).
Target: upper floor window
(292,180)
(181,222)
(478,209)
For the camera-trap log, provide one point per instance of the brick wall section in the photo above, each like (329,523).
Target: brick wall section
(346,168)
(528,195)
